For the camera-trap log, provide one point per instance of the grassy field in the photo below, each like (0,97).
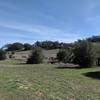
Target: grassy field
(47,82)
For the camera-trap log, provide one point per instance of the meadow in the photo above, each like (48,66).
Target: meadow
(19,81)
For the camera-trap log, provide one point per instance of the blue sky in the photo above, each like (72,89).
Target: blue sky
(62,20)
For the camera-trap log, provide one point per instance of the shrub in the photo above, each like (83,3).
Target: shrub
(2,55)
(84,53)
(65,55)
(36,56)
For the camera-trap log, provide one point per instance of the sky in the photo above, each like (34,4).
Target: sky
(27,21)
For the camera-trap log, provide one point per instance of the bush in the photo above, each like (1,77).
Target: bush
(65,55)
(36,56)
(84,53)
(2,55)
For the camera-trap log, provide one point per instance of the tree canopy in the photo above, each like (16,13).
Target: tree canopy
(84,53)
(15,46)
(94,39)
(52,44)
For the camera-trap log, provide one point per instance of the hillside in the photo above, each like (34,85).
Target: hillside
(97,44)
(23,55)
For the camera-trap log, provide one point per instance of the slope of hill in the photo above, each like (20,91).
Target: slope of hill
(23,55)
(96,46)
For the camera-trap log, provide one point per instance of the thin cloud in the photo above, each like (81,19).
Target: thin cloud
(39,32)
(31,21)
(39,29)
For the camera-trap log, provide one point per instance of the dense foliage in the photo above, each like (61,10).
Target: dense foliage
(36,56)
(94,39)
(84,53)
(27,46)
(65,55)
(43,44)
(15,46)
(52,44)
(2,55)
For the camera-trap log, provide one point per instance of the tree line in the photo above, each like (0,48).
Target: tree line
(94,39)
(81,52)
(43,44)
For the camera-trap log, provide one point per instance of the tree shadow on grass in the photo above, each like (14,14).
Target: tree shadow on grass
(23,63)
(95,75)
(68,66)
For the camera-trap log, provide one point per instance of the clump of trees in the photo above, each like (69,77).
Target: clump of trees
(84,53)
(2,55)
(52,44)
(65,55)
(15,46)
(43,44)
(36,56)
(27,46)
(94,39)
(81,52)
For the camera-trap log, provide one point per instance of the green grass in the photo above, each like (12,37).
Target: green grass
(46,82)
